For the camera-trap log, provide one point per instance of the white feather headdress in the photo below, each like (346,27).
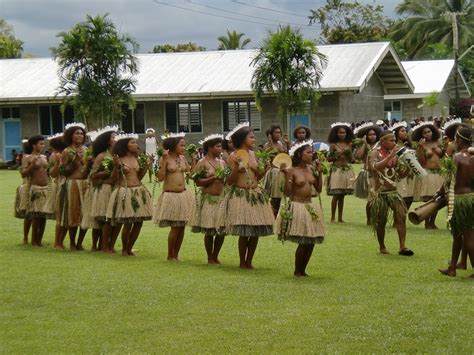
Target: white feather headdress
(299,145)
(54,136)
(398,125)
(211,137)
(94,134)
(75,124)
(150,130)
(455,121)
(24,141)
(125,136)
(236,128)
(173,135)
(363,126)
(337,124)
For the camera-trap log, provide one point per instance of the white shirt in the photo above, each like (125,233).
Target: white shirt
(150,146)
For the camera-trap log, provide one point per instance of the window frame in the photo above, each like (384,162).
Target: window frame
(133,118)
(392,110)
(51,118)
(177,103)
(247,101)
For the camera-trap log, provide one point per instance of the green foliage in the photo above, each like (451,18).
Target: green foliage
(290,67)
(107,164)
(180,47)
(232,41)
(431,100)
(350,22)
(263,156)
(439,51)
(222,173)
(199,173)
(10,46)
(448,168)
(97,68)
(191,149)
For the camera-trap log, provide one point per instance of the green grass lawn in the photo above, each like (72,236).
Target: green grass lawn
(354,301)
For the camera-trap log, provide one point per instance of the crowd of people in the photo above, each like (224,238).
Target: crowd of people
(93,180)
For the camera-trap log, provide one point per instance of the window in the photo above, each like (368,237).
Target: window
(236,112)
(133,121)
(10,112)
(51,119)
(394,107)
(183,117)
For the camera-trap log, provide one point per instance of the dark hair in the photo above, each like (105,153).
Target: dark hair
(57,144)
(67,137)
(297,128)
(211,143)
(225,144)
(418,134)
(121,147)
(33,140)
(171,143)
(465,132)
(27,148)
(101,143)
(238,138)
(450,132)
(273,128)
(332,138)
(377,134)
(407,142)
(296,159)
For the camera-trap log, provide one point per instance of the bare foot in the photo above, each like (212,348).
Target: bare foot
(384,251)
(305,274)
(217,261)
(250,266)
(25,240)
(108,251)
(72,248)
(59,247)
(340,221)
(298,274)
(124,253)
(210,261)
(243,266)
(79,248)
(94,248)
(131,253)
(448,272)
(333,220)
(112,251)
(461,266)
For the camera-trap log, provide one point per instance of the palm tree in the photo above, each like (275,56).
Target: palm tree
(232,41)
(289,66)
(435,21)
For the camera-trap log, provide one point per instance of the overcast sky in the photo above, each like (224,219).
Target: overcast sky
(150,22)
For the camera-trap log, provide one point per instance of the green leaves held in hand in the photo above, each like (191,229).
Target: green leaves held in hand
(191,149)
(198,174)
(107,164)
(142,161)
(160,151)
(222,173)
(263,156)
(448,168)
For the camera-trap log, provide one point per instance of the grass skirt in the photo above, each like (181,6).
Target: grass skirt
(39,202)
(21,200)
(341,181)
(88,221)
(248,213)
(382,203)
(361,189)
(174,209)
(406,187)
(274,182)
(427,186)
(69,202)
(100,201)
(209,215)
(129,205)
(305,224)
(463,214)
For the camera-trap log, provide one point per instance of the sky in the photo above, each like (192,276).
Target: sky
(151,22)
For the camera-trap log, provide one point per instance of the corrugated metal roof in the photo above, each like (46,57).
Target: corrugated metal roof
(428,75)
(194,73)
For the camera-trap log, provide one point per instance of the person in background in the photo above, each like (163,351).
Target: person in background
(150,150)
(301,133)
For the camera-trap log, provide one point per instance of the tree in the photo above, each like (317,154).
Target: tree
(232,41)
(97,65)
(180,47)
(435,21)
(289,66)
(10,46)
(350,22)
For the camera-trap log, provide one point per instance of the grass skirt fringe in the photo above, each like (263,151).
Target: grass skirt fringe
(69,202)
(174,209)
(100,201)
(427,186)
(88,221)
(129,205)
(248,213)
(274,181)
(406,187)
(39,204)
(21,201)
(305,225)
(463,214)
(209,215)
(341,181)
(382,203)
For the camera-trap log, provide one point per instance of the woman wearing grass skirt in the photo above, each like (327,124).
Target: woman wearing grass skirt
(209,217)
(429,154)
(461,201)
(176,204)
(385,172)
(73,168)
(38,204)
(56,146)
(369,134)
(274,179)
(102,186)
(248,212)
(301,221)
(341,178)
(406,185)
(21,196)
(130,202)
